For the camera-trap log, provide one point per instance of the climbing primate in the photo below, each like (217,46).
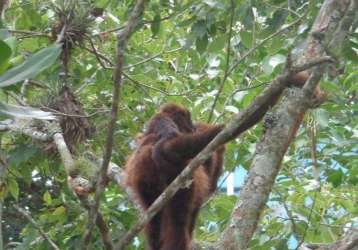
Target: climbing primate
(167,145)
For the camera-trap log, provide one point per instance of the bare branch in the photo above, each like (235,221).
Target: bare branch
(151,58)
(308,220)
(228,71)
(227,65)
(154,88)
(122,38)
(28,33)
(253,49)
(23,127)
(81,186)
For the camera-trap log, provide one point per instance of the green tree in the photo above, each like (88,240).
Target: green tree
(79,61)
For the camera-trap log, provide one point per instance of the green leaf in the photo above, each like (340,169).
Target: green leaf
(246,38)
(276,44)
(59,211)
(336,178)
(47,198)
(25,112)
(349,52)
(155,26)
(12,43)
(322,117)
(270,63)
(21,153)
(246,15)
(351,80)
(4,33)
(218,44)
(5,52)
(13,188)
(278,18)
(199,29)
(201,44)
(36,63)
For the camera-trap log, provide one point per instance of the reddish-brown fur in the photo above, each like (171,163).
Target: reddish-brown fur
(164,149)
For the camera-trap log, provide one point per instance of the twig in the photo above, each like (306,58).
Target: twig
(98,55)
(311,63)
(292,70)
(283,8)
(288,212)
(253,49)
(322,224)
(56,112)
(37,84)
(151,58)
(68,162)
(17,98)
(23,127)
(154,88)
(101,224)
(109,31)
(144,22)
(28,33)
(37,226)
(3,168)
(237,91)
(227,64)
(312,131)
(282,29)
(1,218)
(123,38)
(308,221)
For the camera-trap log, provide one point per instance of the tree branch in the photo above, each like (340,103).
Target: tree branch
(227,63)
(77,184)
(37,226)
(348,242)
(122,38)
(228,70)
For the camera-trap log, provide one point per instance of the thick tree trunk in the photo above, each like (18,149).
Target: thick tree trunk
(332,25)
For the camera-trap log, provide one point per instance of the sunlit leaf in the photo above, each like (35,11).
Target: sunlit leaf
(25,112)
(336,178)
(155,26)
(352,80)
(5,52)
(246,38)
(217,44)
(36,63)
(47,198)
(269,63)
(13,187)
(322,117)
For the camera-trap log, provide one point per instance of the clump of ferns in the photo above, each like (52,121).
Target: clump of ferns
(73,23)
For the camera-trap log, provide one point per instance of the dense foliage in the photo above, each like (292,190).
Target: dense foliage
(211,56)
